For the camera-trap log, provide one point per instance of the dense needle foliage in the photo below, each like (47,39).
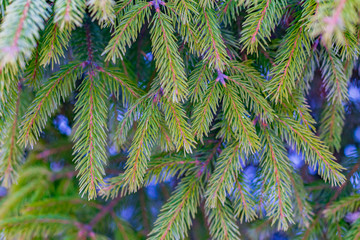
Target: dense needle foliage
(178,119)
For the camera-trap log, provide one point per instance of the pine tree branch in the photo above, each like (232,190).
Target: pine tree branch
(243,202)
(11,154)
(53,44)
(222,223)
(127,31)
(239,121)
(140,150)
(90,135)
(316,154)
(170,66)
(69,14)
(225,174)
(130,90)
(292,55)
(253,98)
(275,168)
(205,110)
(175,216)
(210,41)
(19,30)
(33,71)
(179,128)
(46,101)
(102,10)
(198,81)
(261,20)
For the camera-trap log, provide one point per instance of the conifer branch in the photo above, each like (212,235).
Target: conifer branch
(312,229)
(224,177)
(102,10)
(205,110)
(160,168)
(353,171)
(290,61)
(179,128)
(261,20)
(169,65)
(292,55)
(11,154)
(335,83)
(222,222)
(39,224)
(354,232)
(175,216)
(247,71)
(298,109)
(316,153)
(116,81)
(46,101)
(121,5)
(7,97)
(243,202)
(20,29)
(275,167)
(69,13)
(89,43)
(225,132)
(229,10)
(239,121)
(335,19)
(140,150)
(334,77)
(53,44)
(163,168)
(90,134)
(339,209)
(253,98)
(127,30)
(184,11)
(210,42)
(165,140)
(207,3)
(185,80)
(198,81)
(332,123)
(302,207)
(131,115)
(34,72)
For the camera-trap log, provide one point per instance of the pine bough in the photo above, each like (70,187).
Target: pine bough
(206,106)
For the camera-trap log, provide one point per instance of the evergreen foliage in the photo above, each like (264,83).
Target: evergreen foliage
(205,99)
